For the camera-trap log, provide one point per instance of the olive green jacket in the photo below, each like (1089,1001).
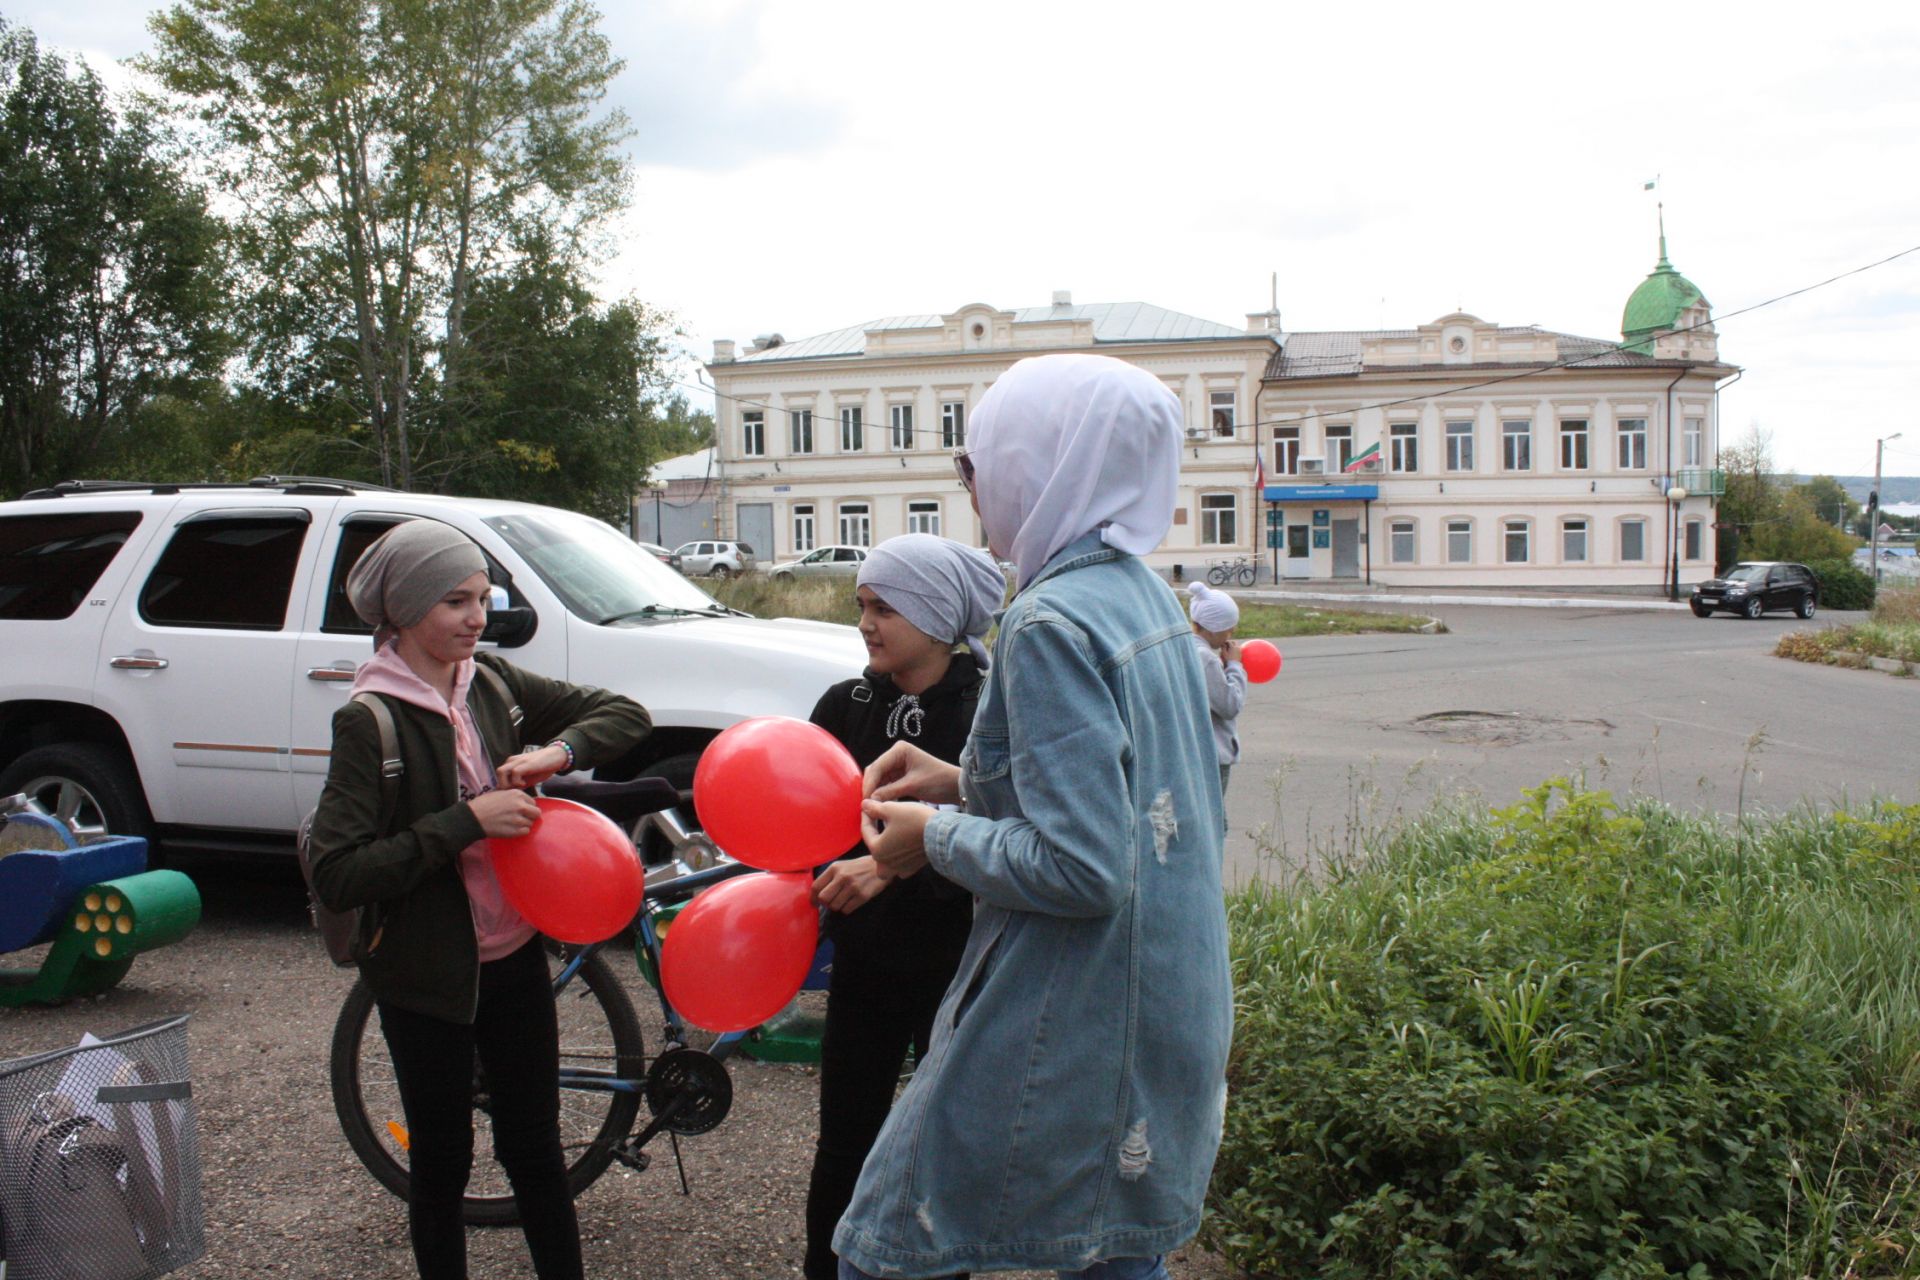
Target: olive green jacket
(426,958)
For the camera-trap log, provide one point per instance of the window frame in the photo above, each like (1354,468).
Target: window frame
(1639,524)
(88,548)
(900,426)
(753,433)
(1339,438)
(1460,459)
(1410,529)
(800,431)
(860,510)
(1693,442)
(256,591)
(1286,451)
(1575,439)
(1694,533)
(1403,447)
(1570,525)
(1459,527)
(799,512)
(1511,527)
(1516,432)
(1231,426)
(924,516)
(853,429)
(1630,441)
(1219,518)
(953,424)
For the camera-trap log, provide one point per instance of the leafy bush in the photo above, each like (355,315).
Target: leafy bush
(1897,606)
(1843,584)
(1568,1040)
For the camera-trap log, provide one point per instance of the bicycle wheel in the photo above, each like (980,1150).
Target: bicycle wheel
(1217,576)
(599,1036)
(1248,573)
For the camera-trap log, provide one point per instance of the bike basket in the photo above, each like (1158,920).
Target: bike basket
(100,1159)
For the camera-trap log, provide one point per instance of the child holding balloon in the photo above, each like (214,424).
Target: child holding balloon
(1214,615)
(1071,1107)
(925,604)
(455,971)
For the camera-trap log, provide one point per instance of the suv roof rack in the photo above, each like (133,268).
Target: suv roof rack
(286,484)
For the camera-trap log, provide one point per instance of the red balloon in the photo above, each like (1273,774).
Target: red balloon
(739,951)
(1261,660)
(779,794)
(575,876)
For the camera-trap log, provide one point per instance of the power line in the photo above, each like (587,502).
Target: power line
(1453,390)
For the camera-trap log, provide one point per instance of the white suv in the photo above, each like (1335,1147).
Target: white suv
(714,559)
(175,653)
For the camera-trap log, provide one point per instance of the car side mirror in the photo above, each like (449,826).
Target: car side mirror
(510,628)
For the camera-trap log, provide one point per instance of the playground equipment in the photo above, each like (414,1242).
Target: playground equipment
(97,903)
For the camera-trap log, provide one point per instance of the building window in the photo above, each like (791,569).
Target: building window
(853,436)
(953,425)
(1517,548)
(1216,519)
(1695,535)
(1404,446)
(1633,540)
(1339,447)
(753,434)
(901,435)
(1286,451)
(856,524)
(1633,444)
(1573,541)
(1573,444)
(803,526)
(1516,445)
(1459,446)
(1400,548)
(1693,438)
(923,517)
(1459,542)
(1221,409)
(800,430)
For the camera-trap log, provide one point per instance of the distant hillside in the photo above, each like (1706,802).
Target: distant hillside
(1892,488)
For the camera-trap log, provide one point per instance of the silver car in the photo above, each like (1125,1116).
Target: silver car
(714,558)
(823,562)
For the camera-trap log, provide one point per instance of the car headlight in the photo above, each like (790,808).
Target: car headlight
(1736,591)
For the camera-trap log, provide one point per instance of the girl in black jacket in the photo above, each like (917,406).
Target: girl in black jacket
(925,604)
(455,971)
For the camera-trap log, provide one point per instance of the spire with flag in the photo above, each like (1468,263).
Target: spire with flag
(1259,467)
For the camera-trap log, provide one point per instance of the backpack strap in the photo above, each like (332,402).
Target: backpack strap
(391,765)
(497,685)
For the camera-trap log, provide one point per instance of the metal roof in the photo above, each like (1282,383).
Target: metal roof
(1336,354)
(1113,322)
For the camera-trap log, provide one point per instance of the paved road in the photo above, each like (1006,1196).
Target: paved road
(1359,730)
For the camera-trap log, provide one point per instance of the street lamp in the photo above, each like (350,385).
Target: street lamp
(1676,495)
(659,487)
(1873,508)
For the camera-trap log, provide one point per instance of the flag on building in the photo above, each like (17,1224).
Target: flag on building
(1259,466)
(1372,452)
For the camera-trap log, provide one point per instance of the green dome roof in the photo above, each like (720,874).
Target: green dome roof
(1660,300)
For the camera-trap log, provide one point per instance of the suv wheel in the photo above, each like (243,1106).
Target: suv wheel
(656,848)
(1701,610)
(1806,605)
(719,571)
(89,787)
(1755,607)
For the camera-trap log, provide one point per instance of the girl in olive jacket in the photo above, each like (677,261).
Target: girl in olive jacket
(455,972)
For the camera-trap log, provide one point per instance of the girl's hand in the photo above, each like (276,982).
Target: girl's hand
(1230,651)
(895,834)
(531,768)
(850,884)
(906,770)
(505,813)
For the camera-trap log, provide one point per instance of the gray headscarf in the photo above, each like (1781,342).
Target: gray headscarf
(406,571)
(945,588)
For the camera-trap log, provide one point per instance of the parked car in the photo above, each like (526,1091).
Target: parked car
(175,653)
(658,552)
(716,559)
(823,562)
(1754,587)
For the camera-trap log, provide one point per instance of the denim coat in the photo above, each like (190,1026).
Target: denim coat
(1069,1109)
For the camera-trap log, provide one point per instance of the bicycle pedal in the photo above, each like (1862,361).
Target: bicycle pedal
(632,1157)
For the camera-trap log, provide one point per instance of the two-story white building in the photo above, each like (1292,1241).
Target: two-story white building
(1457,453)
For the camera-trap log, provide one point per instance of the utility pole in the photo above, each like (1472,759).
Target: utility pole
(1873,507)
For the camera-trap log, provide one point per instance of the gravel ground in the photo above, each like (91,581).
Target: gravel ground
(285,1196)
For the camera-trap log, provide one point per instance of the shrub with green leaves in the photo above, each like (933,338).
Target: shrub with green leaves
(1569,1041)
(1843,584)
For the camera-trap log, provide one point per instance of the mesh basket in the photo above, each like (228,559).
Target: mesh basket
(100,1160)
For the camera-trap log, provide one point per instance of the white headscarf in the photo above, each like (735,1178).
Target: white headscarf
(1214,610)
(1063,445)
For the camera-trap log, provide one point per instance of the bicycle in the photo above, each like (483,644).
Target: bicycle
(604,1070)
(1242,568)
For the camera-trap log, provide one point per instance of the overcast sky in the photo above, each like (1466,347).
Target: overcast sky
(805,166)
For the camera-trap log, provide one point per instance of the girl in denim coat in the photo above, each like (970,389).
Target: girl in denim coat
(1068,1114)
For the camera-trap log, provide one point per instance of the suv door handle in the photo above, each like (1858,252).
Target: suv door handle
(330,673)
(139,662)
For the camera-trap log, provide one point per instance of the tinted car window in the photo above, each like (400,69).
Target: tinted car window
(48,563)
(745,550)
(1747,573)
(232,572)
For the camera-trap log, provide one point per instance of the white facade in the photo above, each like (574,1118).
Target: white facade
(1494,466)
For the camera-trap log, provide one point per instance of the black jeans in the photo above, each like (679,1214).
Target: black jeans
(518,1043)
(872,1020)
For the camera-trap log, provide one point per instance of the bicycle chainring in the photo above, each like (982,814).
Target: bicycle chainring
(698,1076)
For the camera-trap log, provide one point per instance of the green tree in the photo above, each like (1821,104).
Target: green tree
(683,429)
(1764,518)
(1831,502)
(393,155)
(112,279)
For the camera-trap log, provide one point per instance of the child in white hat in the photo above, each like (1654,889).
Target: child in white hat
(1214,615)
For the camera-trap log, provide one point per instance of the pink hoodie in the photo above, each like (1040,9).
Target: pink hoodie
(499,929)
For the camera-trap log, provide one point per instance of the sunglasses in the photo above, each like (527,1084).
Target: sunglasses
(963,467)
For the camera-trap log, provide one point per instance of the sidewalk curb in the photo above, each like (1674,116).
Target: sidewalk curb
(1270,596)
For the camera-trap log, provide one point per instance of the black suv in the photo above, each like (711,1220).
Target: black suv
(1756,586)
